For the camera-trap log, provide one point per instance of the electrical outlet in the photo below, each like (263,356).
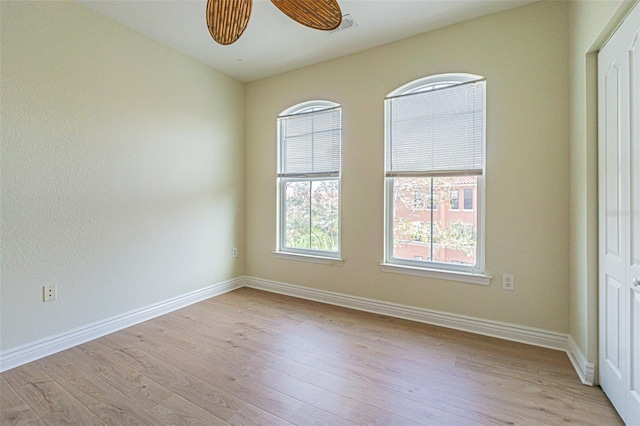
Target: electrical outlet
(508,282)
(49,293)
(234,252)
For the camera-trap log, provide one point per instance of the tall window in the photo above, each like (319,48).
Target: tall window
(468,199)
(309,143)
(434,144)
(455,200)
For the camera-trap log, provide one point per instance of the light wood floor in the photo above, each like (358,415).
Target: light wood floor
(255,358)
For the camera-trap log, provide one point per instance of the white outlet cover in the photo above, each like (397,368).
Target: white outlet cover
(508,282)
(49,293)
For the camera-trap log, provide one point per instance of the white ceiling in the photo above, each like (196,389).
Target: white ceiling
(273,43)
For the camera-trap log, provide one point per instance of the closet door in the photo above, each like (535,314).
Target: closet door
(633,236)
(619,211)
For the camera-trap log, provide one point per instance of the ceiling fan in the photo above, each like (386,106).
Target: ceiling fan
(227,19)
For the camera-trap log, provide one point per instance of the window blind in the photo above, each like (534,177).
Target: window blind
(437,132)
(310,143)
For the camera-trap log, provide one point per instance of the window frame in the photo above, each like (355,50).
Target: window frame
(448,271)
(281,251)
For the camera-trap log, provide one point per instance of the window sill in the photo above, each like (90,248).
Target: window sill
(465,277)
(331,261)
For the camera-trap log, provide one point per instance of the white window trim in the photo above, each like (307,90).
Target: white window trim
(441,274)
(304,257)
(314,256)
(475,274)
(452,78)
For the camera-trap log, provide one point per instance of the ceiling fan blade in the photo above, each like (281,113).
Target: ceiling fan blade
(319,14)
(227,19)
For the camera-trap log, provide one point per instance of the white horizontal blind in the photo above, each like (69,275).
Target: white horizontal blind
(310,144)
(438,132)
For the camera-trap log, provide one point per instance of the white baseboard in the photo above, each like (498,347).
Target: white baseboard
(587,371)
(512,332)
(32,351)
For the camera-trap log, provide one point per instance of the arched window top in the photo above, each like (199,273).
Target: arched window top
(433,82)
(308,106)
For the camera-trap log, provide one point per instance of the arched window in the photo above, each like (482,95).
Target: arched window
(309,145)
(435,150)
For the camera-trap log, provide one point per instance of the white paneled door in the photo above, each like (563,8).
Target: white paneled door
(619,211)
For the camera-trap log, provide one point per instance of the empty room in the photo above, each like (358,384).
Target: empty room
(320,212)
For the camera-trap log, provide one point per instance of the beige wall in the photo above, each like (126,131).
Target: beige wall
(590,24)
(122,170)
(523,54)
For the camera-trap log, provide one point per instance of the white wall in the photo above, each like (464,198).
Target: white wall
(523,54)
(122,170)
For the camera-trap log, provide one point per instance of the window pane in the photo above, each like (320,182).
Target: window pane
(433,234)
(311,214)
(455,200)
(324,215)
(310,142)
(297,214)
(468,199)
(411,220)
(436,130)
(418,200)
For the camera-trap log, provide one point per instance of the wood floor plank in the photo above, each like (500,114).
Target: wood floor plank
(106,402)
(208,396)
(367,414)
(297,385)
(410,337)
(249,357)
(403,406)
(246,368)
(308,386)
(234,334)
(524,370)
(169,407)
(290,408)
(413,340)
(520,371)
(52,403)
(13,410)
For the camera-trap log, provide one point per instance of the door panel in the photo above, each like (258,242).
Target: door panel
(634,182)
(633,223)
(619,210)
(635,348)
(612,155)
(614,301)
